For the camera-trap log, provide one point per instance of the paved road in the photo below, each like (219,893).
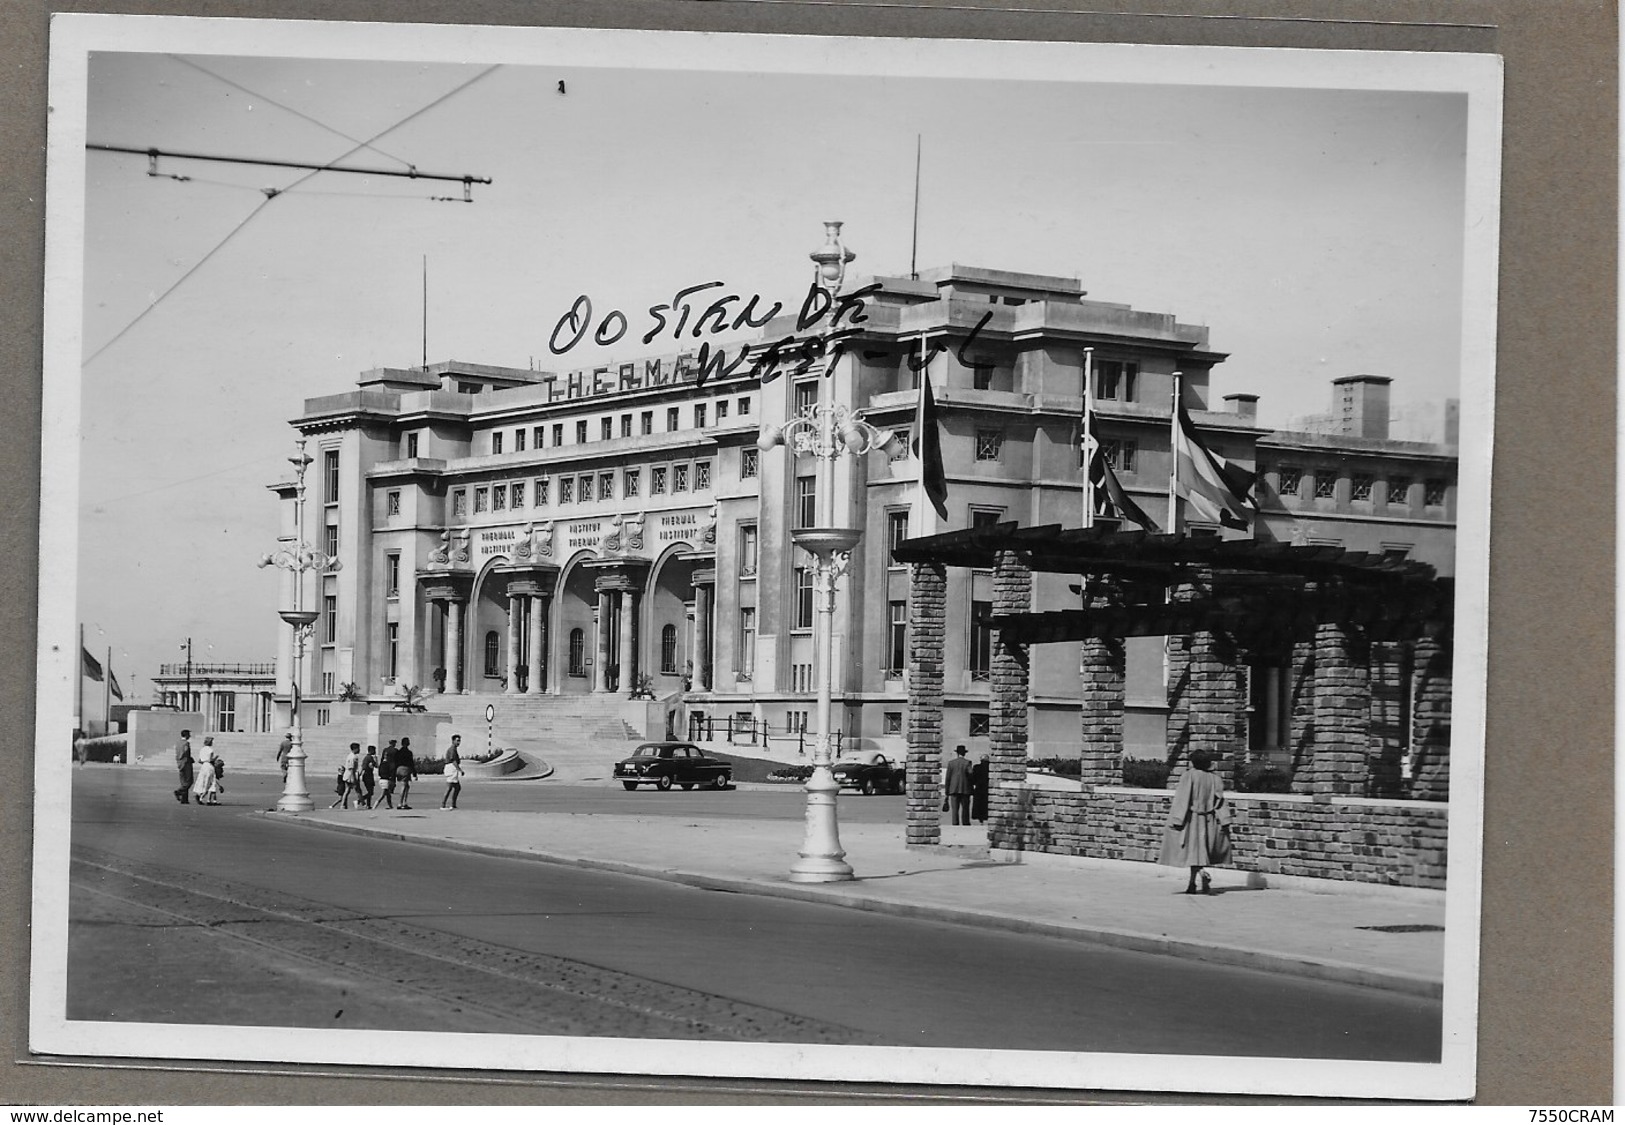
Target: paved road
(186,914)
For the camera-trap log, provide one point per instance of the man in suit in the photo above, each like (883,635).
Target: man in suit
(183,763)
(958,786)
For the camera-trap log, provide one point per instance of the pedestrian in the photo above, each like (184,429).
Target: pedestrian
(958,786)
(1195,836)
(406,770)
(80,750)
(282,752)
(348,770)
(369,776)
(978,790)
(454,752)
(183,763)
(386,770)
(454,783)
(208,781)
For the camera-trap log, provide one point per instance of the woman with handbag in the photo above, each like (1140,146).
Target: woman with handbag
(1195,837)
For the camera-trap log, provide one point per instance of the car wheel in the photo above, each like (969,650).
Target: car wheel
(724,780)
(631,786)
(664,783)
(869,787)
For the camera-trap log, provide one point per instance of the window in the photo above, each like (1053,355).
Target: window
(981,725)
(985,517)
(392,648)
(578,652)
(747,642)
(626,425)
(606,429)
(516,495)
(330,540)
(225,710)
(657,480)
(679,478)
(702,475)
(671,419)
(1325,484)
(804,599)
(803,397)
(392,504)
(747,548)
(606,486)
(1399,490)
(630,480)
(900,447)
(806,509)
(722,410)
(411,445)
(496,442)
(896,638)
(537,435)
(482,499)
(567,490)
(459,504)
(558,433)
(891,722)
(744,405)
(492,644)
(981,640)
(1121,453)
(1115,379)
(519,441)
(699,415)
(330,476)
(668,650)
(646,421)
(1396,551)
(392,574)
(988,444)
(1433,494)
(749,462)
(981,377)
(499,498)
(1290,481)
(330,618)
(1360,487)
(584,487)
(542,488)
(581,432)
(323,714)
(896,532)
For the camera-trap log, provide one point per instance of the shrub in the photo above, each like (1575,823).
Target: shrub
(1145,773)
(791,773)
(1262,777)
(1064,767)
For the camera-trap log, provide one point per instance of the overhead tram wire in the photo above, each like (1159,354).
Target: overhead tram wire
(139,317)
(410,173)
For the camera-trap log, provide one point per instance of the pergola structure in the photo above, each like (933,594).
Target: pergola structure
(1341,621)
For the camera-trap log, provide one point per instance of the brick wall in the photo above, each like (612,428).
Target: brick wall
(928,604)
(1397,843)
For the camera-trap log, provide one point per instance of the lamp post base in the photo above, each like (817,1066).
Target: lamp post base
(295,794)
(822,858)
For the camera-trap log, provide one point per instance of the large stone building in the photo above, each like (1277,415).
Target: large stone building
(616,530)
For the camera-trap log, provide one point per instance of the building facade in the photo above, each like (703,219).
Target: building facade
(618,530)
(230,697)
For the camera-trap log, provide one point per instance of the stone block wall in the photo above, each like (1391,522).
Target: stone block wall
(1430,738)
(928,606)
(1012,593)
(1396,843)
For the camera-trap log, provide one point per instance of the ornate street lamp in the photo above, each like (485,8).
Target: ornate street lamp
(826,430)
(298,558)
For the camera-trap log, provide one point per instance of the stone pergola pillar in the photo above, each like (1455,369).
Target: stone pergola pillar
(1007,765)
(516,626)
(928,604)
(1342,710)
(534,677)
(1430,718)
(1100,695)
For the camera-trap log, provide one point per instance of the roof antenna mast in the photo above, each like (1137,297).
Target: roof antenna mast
(425,312)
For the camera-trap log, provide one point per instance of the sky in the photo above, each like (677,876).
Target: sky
(1317,232)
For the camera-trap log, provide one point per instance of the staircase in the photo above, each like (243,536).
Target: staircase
(580,736)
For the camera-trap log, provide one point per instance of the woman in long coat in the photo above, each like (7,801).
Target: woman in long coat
(1195,837)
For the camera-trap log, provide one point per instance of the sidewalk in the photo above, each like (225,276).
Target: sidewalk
(1131,905)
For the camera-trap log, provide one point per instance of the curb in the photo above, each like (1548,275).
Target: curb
(1235,956)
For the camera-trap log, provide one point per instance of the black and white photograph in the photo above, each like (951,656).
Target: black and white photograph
(820,558)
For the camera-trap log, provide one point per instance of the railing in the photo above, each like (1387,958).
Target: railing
(201,671)
(751,732)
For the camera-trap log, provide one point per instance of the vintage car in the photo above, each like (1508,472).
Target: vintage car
(870,772)
(664,764)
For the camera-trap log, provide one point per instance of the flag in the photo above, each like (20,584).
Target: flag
(92,667)
(928,448)
(112,685)
(1213,487)
(1109,497)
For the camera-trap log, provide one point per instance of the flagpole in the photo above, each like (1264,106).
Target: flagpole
(1173,459)
(1088,437)
(79,706)
(928,515)
(107,693)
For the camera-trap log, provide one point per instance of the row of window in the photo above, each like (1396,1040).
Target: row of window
(1362,486)
(609,427)
(583,488)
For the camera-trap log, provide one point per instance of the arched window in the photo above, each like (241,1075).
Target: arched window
(578,652)
(668,649)
(491,645)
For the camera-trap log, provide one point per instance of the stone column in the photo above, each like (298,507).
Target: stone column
(538,613)
(1342,711)
(626,658)
(928,603)
(601,627)
(1007,765)
(1100,696)
(702,636)
(454,646)
(516,626)
(1430,719)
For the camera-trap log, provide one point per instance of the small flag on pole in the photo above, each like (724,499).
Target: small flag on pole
(92,667)
(112,685)
(1214,488)
(928,448)
(1110,499)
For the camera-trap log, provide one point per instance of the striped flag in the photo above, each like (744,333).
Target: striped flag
(1215,489)
(1110,499)
(90,665)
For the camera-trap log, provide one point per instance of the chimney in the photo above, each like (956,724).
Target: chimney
(1360,405)
(1243,406)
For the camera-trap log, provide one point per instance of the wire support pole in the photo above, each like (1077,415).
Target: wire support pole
(410,173)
